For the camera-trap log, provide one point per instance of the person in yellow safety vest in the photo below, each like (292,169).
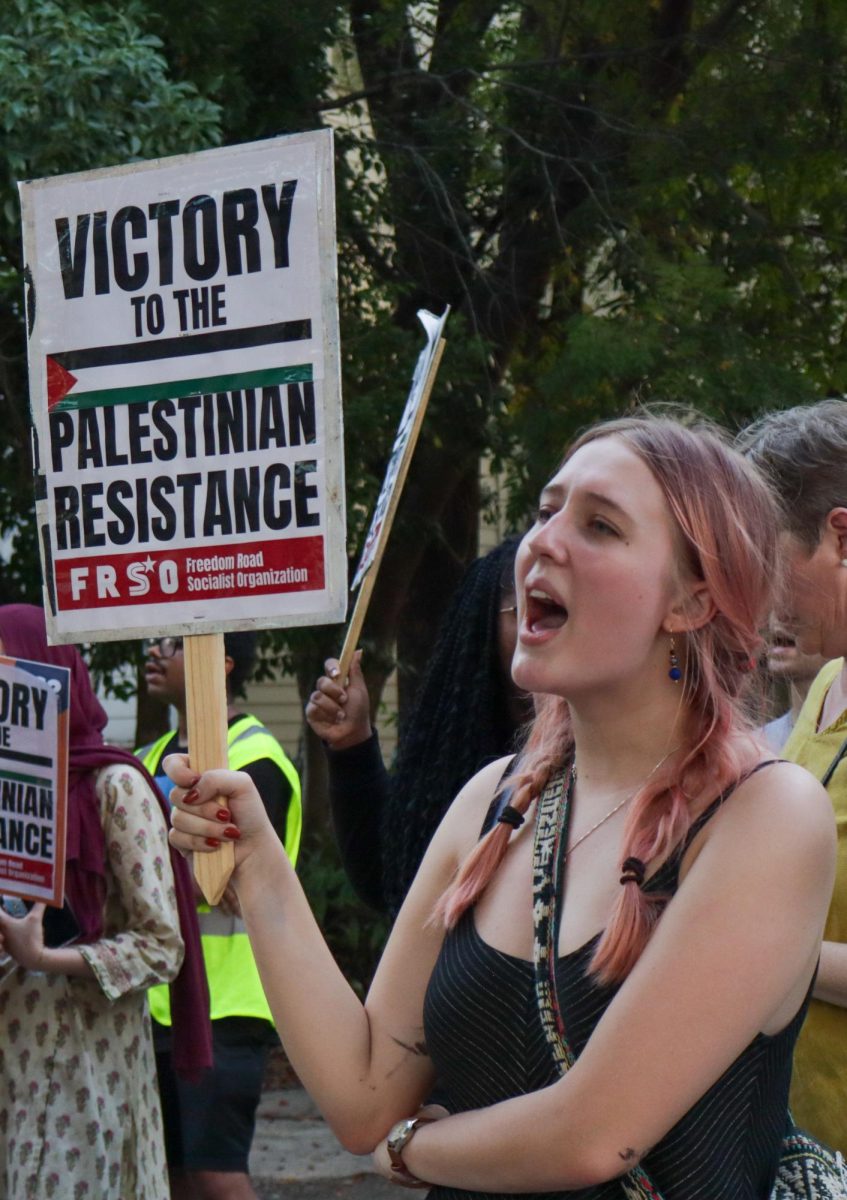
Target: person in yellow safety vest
(209,1126)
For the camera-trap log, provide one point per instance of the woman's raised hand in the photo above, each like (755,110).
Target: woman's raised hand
(339,711)
(200,824)
(22,938)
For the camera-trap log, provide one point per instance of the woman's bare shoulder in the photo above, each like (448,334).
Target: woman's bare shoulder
(778,807)
(465,816)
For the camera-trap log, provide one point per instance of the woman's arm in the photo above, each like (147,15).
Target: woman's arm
(339,713)
(366,1066)
(831,983)
(23,939)
(358,795)
(147,948)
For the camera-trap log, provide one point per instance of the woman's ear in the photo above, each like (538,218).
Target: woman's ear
(694,609)
(836,527)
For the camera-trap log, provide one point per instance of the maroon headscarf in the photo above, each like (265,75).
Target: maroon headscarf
(24,635)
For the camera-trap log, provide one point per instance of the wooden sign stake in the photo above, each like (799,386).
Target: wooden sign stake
(206,705)
(354,629)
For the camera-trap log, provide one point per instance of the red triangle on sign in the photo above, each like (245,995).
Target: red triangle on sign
(59,382)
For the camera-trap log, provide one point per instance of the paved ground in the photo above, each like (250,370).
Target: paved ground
(366,1187)
(296,1157)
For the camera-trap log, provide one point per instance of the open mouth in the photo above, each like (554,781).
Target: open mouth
(543,612)
(782,639)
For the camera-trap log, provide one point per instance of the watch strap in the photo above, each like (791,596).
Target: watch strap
(399,1137)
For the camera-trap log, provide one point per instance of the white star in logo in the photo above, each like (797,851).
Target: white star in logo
(148,563)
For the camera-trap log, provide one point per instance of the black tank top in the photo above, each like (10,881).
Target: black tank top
(485,1039)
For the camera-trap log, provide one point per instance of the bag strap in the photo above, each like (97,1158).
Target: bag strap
(548,874)
(840,753)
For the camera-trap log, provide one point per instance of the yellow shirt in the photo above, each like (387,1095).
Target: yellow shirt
(819,1088)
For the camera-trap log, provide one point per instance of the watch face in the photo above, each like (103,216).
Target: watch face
(400,1134)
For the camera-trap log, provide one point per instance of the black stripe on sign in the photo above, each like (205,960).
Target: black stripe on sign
(180,347)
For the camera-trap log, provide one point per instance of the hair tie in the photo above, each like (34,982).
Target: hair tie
(746,663)
(511,816)
(633,871)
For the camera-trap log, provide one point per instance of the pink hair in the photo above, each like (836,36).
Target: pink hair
(726,520)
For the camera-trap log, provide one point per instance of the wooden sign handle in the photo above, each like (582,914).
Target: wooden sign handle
(206,705)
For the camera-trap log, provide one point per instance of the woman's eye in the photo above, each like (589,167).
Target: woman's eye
(543,514)
(601,526)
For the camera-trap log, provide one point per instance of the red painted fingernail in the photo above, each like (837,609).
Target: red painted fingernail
(232,832)
(223,814)
(191,796)
(195,779)
(213,842)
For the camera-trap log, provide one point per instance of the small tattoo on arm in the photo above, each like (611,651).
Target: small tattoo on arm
(417,1048)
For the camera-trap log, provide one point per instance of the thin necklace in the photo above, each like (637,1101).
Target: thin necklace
(618,806)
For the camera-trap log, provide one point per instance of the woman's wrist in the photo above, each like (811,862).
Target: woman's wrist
(350,741)
(33,961)
(64,960)
(265,867)
(413,1150)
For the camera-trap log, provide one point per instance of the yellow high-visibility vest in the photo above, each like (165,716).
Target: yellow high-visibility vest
(235,989)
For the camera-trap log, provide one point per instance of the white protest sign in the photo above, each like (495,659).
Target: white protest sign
(34,700)
(434,328)
(395,476)
(185,392)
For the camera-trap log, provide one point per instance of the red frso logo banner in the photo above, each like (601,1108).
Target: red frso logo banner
(248,568)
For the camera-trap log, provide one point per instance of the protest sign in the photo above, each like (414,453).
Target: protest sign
(185,394)
(34,700)
(405,441)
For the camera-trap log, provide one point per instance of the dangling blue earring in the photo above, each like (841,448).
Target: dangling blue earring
(674,673)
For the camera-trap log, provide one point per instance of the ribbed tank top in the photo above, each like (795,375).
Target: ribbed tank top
(485,1039)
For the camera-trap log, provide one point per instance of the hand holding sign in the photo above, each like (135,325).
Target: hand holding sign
(205,688)
(339,711)
(22,938)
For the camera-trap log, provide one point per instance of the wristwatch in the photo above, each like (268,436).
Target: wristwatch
(398,1138)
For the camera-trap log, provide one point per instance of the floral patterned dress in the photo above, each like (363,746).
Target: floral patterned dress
(79,1104)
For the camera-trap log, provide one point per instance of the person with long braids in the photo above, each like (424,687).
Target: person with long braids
(384,821)
(693,873)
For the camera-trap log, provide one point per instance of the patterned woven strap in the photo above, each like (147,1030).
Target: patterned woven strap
(551,819)
(548,863)
(809,1171)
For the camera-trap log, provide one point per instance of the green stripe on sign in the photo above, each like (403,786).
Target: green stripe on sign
(13,777)
(174,389)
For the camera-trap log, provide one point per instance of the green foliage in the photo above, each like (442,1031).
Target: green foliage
(85,85)
(82,85)
(704,263)
(264,65)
